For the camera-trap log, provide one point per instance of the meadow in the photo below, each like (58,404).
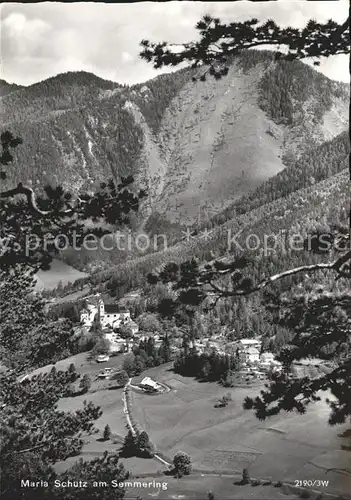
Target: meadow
(287,447)
(58,272)
(220,441)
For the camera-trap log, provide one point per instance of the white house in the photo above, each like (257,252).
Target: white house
(268,362)
(250,355)
(247,343)
(112,315)
(150,385)
(267,357)
(116,344)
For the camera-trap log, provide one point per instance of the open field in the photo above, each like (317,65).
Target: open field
(83,364)
(197,487)
(110,401)
(286,447)
(59,271)
(220,441)
(71,297)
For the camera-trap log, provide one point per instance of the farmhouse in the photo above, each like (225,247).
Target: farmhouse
(150,385)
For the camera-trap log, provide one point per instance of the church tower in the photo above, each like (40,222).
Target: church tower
(101,308)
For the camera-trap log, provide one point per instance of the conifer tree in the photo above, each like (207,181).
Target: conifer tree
(219,42)
(107,433)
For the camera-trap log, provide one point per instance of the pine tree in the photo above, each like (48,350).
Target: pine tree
(85,383)
(107,433)
(72,368)
(129,448)
(314,40)
(245,477)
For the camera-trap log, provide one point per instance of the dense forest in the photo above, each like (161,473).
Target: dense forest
(314,166)
(217,285)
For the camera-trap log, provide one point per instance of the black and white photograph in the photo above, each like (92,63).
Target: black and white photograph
(175,250)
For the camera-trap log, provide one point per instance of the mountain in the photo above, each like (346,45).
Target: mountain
(7,88)
(197,147)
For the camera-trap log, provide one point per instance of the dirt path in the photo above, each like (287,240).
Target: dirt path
(126,411)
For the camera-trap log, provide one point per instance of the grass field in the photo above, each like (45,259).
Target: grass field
(110,400)
(59,271)
(83,364)
(220,441)
(197,487)
(286,447)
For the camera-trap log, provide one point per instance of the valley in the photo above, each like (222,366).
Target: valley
(247,358)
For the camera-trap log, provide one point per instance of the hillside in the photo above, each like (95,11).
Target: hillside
(304,176)
(317,164)
(196,147)
(322,206)
(8,88)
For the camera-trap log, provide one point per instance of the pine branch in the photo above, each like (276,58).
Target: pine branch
(333,266)
(32,203)
(28,450)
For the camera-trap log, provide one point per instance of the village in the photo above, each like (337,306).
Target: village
(122,335)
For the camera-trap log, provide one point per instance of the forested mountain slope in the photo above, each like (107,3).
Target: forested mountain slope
(306,174)
(196,147)
(320,207)
(315,165)
(7,88)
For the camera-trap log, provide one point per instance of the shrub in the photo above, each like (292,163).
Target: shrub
(102,346)
(85,384)
(255,482)
(182,464)
(121,378)
(71,368)
(278,484)
(144,445)
(305,494)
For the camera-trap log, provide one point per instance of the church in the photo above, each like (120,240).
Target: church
(111,315)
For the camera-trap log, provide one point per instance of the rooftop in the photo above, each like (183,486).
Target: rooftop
(267,355)
(252,350)
(250,341)
(114,309)
(148,381)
